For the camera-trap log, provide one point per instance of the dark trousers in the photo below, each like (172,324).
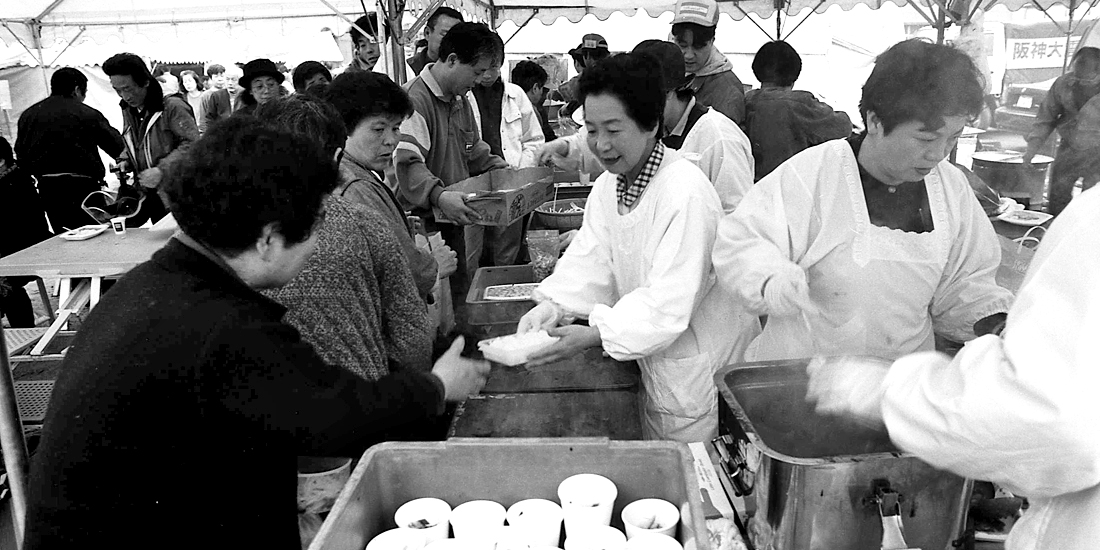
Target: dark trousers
(1070,164)
(62,196)
(15,304)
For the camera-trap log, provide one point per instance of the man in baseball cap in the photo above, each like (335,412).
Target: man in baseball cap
(713,81)
(592,48)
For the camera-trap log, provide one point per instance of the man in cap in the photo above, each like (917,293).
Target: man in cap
(592,48)
(712,78)
(438,25)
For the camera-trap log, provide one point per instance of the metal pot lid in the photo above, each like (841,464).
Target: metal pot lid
(1009,157)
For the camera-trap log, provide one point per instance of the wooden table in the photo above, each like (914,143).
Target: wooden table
(84,262)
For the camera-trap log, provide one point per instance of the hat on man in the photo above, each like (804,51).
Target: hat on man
(260,67)
(670,57)
(700,12)
(590,42)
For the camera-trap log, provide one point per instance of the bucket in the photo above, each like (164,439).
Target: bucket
(1005,172)
(824,482)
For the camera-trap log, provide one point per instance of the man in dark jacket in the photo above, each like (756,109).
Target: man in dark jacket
(185,399)
(157,130)
(59,142)
(437,26)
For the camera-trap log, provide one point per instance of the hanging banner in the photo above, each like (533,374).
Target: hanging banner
(1037,53)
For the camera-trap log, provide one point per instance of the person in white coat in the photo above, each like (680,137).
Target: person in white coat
(701,134)
(639,269)
(1019,411)
(870,245)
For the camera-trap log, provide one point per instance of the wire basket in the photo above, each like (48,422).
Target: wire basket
(564,221)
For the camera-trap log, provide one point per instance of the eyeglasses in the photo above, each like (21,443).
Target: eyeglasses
(261,86)
(102,206)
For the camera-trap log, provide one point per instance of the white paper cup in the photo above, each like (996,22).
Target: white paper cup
(451,544)
(650,515)
(433,513)
(119,224)
(595,537)
(478,520)
(538,519)
(653,541)
(586,499)
(397,539)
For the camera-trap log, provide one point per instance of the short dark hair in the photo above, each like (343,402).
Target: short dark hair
(128,64)
(440,12)
(360,95)
(369,23)
(308,116)
(471,42)
(632,78)
(1087,52)
(242,175)
(528,74)
(6,153)
(777,62)
(916,80)
(307,70)
(66,81)
(700,35)
(214,69)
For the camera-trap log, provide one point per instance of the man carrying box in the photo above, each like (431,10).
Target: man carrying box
(441,145)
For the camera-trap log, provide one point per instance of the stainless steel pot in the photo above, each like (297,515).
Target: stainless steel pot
(1005,172)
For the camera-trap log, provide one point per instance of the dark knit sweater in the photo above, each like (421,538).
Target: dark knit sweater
(337,300)
(181,408)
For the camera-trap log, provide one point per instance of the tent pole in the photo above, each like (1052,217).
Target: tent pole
(813,11)
(423,19)
(396,41)
(922,14)
(753,21)
(941,25)
(67,46)
(520,28)
(1069,34)
(15,446)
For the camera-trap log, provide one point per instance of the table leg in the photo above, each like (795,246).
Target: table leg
(96,282)
(75,301)
(45,296)
(16,460)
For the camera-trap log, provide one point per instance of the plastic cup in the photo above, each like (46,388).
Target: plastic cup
(398,539)
(430,515)
(538,519)
(119,224)
(595,537)
(586,499)
(650,515)
(653,541)
(478,520)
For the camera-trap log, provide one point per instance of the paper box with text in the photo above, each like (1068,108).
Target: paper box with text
(502,197)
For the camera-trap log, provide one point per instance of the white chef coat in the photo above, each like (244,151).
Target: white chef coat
(1023,411)
(715,143)
(644,278)
(520,130)
(881,291)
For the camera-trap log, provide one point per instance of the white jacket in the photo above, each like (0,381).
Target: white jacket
(644,278)
(520,130)
(715,144)
(881,291)
(1023,411)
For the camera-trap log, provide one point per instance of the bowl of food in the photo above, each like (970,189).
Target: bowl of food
(561,214)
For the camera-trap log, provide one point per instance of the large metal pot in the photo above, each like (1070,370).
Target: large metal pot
(823,482)
(1005,172)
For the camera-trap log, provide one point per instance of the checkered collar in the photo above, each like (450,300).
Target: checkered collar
(628,192)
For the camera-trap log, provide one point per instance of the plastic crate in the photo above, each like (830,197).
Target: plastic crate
(481,312)
(507,471)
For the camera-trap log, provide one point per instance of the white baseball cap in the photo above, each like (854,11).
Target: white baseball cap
(700,12)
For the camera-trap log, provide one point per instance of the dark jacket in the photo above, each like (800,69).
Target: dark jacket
(180,410)
(159,135)
(418,61)
(23,223)
(781,122)
(217,104)
(61,135)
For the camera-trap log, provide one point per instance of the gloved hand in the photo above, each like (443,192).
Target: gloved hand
(788,293)
(543,316)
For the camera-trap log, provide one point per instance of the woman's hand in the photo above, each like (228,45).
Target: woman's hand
(574,339)
(544,316)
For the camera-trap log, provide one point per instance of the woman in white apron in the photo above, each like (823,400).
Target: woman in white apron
(639,269)
(870,245)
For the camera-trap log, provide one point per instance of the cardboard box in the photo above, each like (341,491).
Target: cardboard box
(504,196)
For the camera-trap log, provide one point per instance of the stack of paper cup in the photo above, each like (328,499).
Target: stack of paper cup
(653,541)
(586,499)
(478,522)
(650,515)
(397,539)
(430,515)
(538,520)
(595,537)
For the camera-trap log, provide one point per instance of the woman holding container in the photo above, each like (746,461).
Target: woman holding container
(869,245)
(639,269)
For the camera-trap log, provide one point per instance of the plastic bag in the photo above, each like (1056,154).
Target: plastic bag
(543,247)
(1016,256)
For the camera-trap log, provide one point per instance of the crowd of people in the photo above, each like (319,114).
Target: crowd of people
(290,313)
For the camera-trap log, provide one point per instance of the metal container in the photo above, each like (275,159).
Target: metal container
(480,311)
(507,471)
(1005,172)
(823,482)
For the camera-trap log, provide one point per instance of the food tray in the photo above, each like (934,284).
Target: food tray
(512,356)
(480,311)
(1027,218)
(510,293)
(507,471)
(83,233)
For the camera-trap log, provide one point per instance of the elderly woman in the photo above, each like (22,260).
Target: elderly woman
(261,83)
(640,269)
(869,245)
